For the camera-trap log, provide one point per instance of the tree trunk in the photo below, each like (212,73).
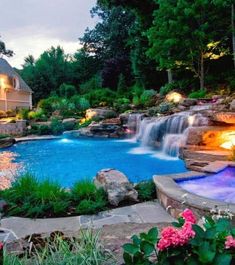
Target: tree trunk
(233,33)
(201,76)
(170,76)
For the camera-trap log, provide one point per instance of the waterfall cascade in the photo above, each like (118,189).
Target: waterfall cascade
(168,133)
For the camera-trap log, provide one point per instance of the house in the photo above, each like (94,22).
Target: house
(14,92)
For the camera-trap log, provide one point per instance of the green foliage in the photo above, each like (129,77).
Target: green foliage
(23,114)
(38,115)
(147,96)
(82,104)
(4,50)
(87,249)
(90,207)
(57,126)
(40,129)
(207,246)
(164,107)
(30,198)
(67,91)
(102,96)
(198,94)
(48,104)
(92,84)
(146,191)
(89,199)
(140,250)
(84,189)
(2,136)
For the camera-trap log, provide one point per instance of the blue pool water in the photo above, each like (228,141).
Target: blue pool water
(220,186)
(69,160)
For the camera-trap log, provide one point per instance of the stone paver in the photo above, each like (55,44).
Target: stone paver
(148,212)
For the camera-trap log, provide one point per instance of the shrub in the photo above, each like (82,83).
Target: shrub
(164,107)
(198,94)
(3,114)
(90,206)
(48,105)
(10,113)
(92,84)
(83,124)
(67,90)
(29,197)
(146,190)
(146,97)
(37,115)
(103,96)
(87,250)
(2,136)
(136,100)
(23,114)
(81,103)
(84,189)
(56,126)
(184,243)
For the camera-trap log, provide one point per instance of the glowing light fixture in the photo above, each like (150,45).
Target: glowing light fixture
(174,97)
(228,140)
(191,120)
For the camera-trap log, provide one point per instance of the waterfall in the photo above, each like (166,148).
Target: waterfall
(134,122)
(168,133)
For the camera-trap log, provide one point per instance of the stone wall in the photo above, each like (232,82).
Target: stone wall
(16,129)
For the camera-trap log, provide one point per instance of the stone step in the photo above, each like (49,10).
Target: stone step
(196,165)
(204,155)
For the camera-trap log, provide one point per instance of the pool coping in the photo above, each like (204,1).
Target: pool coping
(36,138)
(174,198)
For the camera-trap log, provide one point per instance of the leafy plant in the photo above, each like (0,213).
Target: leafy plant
(146,190)
(56,126)
(32,198)
(2,136)
(85,250)
(198,94)
(184,243)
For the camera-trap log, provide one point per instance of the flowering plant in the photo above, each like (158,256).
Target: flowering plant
(184,242)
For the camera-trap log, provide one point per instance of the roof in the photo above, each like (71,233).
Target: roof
(5,68)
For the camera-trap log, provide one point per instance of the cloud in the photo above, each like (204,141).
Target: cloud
(32,26)
(35,45)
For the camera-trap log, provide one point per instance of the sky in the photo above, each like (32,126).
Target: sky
(33,26)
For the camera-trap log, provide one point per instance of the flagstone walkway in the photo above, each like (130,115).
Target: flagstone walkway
(148,212)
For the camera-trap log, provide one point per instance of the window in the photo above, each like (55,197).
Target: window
(16,83)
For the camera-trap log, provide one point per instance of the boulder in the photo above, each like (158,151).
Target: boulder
(107,128)
(100,113)
(69,123)
(188,102)
(225,117)
(232,105)
(6,142)
(117,186)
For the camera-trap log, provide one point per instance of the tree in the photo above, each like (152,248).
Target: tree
(185,34)
(108,43)
(4,50)
(46,74)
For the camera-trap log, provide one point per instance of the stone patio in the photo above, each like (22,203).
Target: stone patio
(142,213)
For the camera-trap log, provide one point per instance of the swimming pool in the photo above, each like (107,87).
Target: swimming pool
(220,186)
(69,160)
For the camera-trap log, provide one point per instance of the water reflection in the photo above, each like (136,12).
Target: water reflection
(9,169)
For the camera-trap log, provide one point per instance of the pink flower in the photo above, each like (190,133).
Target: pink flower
(189,216)
(173,237)
(230,242)
(1,245)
